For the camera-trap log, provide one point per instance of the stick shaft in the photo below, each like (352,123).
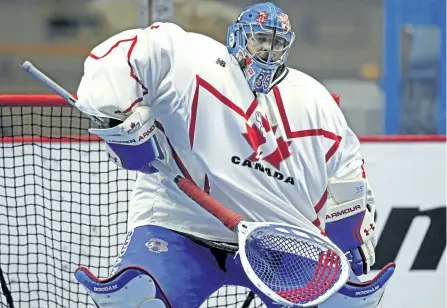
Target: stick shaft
(56,88)
(210,204)
(214,207)
(48,82)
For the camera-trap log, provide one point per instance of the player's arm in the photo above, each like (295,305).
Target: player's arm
(351,205)
(350,215)
(125,77)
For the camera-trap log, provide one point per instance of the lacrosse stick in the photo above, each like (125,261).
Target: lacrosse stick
(291,265)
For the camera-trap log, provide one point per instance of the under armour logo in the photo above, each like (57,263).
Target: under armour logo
(371,228)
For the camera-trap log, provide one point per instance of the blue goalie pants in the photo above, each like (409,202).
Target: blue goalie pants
(187,270)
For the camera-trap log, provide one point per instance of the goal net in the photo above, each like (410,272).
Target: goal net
(62,204)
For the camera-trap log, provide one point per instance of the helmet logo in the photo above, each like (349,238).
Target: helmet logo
(284,20)
(262,17)
(231,40)
(248,60)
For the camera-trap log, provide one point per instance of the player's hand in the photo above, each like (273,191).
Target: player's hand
(362,258)
(132,144)
(351,227)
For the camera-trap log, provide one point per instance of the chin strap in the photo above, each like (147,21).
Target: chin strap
(280,74)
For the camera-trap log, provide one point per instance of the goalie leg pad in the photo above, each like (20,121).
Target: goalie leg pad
(131,287)
(367,294)
(187,272)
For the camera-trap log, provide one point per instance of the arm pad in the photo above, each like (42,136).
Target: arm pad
(132,145)
(350,224)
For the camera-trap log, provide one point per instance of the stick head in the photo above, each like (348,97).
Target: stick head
(291,265)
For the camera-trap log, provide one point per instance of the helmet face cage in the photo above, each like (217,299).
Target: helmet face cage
(266,45)
(261,40)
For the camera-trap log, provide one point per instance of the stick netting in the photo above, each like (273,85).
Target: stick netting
(296,269)
(61,205)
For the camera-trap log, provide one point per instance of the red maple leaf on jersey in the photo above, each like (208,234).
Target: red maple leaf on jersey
(281,153)
(255,139)
(265,123)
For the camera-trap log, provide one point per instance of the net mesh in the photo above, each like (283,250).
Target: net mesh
(61,205)
(294,268)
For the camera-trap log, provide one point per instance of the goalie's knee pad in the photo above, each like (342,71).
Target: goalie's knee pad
(131,287)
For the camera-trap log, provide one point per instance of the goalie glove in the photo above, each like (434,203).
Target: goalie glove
(350,223)
(132,144)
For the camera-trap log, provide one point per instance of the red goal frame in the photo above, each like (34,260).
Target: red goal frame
(53,100)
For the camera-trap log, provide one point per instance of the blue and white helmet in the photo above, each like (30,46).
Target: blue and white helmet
(261,39)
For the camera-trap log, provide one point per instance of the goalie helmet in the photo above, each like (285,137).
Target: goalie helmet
(260,40)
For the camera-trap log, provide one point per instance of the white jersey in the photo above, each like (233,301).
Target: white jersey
(267,157)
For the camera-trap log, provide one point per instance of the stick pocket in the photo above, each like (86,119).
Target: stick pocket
(291,265)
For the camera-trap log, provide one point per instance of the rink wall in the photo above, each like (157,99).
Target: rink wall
(409,181)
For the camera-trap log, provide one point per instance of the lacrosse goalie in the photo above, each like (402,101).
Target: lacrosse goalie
(265,140)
